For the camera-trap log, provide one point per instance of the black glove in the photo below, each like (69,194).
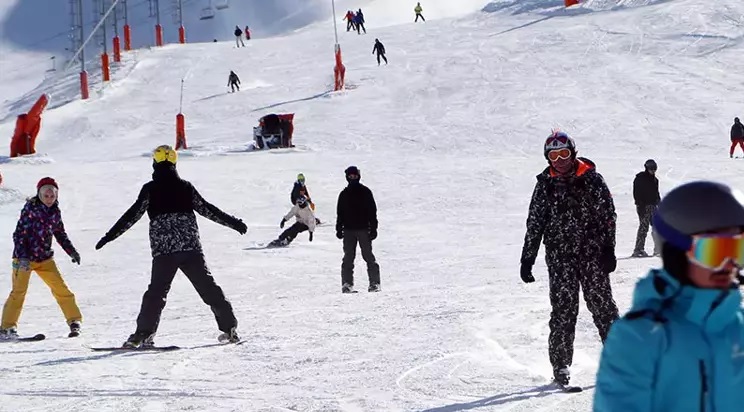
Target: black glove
(525,272)
(241,227)
(281,225)
(372,234)
(340,233)
(75,257)
(608,260)
(101,242)
(311,236)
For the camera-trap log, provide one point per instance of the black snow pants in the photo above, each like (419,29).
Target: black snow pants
(164,269)
(419,15)
(351,238)
(644,221)
(383,57)
(291,233)
(567,274)
(233,85)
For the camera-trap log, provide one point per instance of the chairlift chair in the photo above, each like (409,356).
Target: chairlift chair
(222,4)
(206,14)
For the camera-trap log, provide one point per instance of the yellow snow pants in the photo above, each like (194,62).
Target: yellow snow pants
(49,273)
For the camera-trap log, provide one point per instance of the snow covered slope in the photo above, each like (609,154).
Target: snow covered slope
(449,137)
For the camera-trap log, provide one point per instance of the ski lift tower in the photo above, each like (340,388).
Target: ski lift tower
(339,71)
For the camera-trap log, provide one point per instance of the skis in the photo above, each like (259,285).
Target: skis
(140,349)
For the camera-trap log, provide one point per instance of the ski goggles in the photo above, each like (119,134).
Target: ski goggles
(556,154)
(715,251)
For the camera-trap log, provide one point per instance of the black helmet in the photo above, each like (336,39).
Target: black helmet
(302,201)
(650,165)
(697,207)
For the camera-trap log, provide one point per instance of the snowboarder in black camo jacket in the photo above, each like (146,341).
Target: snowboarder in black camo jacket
(170,202)
(356,222)
(573,213)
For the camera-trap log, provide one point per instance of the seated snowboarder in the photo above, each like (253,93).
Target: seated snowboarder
(305,221)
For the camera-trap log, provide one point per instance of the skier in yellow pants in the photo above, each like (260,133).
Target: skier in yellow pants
(40,220)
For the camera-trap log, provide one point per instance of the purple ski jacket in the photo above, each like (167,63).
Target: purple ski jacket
(32,238)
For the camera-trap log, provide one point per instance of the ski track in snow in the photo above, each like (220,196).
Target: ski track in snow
(449,138)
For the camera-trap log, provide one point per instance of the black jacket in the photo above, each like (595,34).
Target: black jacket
(233,78)
(356,209)
(297,190)
(737,131)
(379,48)
(238,32)
(573,215)
(646,189)
(170,203)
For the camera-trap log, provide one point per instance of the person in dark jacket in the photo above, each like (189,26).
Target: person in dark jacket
(379,48)
(681,346)
(238,37)
(356,222)
(233,81)
(737,136)
(170,202)
(299,189)
(646,196)
(40,221)
(359,22)
(573,213)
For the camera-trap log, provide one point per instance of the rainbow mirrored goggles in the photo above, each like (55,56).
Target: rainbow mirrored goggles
(715,251)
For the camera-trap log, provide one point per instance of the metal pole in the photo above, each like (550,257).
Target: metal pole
(103,19)
(180,13)
(180,105)
(116,23)
(126,12)
(90,36)
(157,11)
(335,28)
(82,36)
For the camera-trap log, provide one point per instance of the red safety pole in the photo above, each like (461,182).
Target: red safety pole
(181,35)
(127,38)
(84,84)
(105,67)
(117,49)
(158,35)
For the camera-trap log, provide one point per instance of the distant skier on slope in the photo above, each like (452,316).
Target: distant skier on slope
(300,189)
(418,9)
(170,202)
(349,20)
(359,22)
(41,219)
(238,37)
(379,48)
(305,221)
(737,136)
(247,33)
(573,213)
(646,197)
(233,81)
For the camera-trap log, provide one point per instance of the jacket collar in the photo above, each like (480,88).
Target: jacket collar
(711,309)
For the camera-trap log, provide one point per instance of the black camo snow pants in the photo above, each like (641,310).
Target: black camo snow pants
(645,213)
(566,274)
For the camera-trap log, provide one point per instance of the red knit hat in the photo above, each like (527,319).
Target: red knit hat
(46,181)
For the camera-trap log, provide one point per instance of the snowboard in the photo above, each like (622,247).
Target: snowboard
(262,246)
(140,349)
(34,338)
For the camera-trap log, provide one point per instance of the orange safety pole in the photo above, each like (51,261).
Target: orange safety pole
(117,49)
(84,84)
(105,67)
(158,35)
(181,35)
(180,132)
(570,3)
(127,38)
(339,70)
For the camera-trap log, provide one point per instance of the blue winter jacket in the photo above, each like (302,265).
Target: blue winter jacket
(679,349)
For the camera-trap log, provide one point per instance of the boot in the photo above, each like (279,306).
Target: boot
(139,340)
(74,329)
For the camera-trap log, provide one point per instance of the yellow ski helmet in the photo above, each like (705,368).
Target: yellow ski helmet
(165,153)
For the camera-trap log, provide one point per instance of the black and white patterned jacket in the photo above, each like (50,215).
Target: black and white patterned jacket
(170,202)
(573,215)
